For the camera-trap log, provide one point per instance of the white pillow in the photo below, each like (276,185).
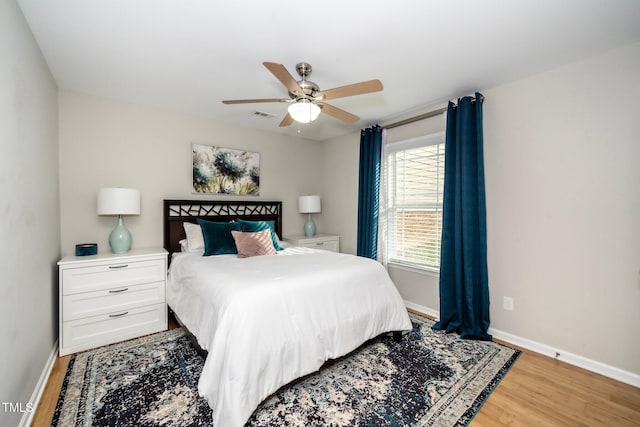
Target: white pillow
(183,245)
(283,244)
(195,240)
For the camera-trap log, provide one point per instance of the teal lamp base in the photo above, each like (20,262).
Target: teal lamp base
(120,238)
(309,227)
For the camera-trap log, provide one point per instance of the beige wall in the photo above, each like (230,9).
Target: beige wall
(340,190)
(30,225)
(563,208)
(105,143)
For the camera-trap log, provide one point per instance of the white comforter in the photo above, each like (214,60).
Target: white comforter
(268,320)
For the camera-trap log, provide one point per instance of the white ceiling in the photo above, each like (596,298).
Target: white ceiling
(189,55)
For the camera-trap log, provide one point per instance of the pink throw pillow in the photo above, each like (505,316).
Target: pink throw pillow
(253,244)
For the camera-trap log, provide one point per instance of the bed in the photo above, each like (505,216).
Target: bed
(268,320)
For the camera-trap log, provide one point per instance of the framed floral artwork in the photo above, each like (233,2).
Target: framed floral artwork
(219,170)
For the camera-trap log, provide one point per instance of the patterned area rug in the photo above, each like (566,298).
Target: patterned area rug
(428,378)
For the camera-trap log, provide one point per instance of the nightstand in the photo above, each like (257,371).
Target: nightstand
(106,298)
(327,242)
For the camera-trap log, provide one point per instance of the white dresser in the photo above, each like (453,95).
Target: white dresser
(107,297)
(327,242)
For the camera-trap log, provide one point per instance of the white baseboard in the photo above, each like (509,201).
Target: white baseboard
(570,358)
(547,350)
(422,309)
(27,417)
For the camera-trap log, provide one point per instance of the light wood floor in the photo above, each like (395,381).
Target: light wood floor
(537,391)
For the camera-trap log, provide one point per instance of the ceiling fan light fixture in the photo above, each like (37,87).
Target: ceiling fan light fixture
(304,111)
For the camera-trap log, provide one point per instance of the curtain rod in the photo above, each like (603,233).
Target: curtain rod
(416,118)
(423,116)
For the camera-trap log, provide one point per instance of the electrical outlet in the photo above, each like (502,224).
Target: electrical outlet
(507,303)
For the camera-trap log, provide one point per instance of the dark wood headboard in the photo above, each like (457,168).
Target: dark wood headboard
(178,211)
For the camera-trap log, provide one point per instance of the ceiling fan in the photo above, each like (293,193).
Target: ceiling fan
(306,98)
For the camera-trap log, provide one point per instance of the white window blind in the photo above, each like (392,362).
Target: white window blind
(415,177)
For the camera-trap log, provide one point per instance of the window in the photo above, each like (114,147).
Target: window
(415,183)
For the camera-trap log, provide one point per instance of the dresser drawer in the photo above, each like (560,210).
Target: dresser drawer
(326,246)
(109,276)
(76,306)
(326,242)
(94,331)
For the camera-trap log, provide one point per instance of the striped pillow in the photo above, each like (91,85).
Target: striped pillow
(253,244)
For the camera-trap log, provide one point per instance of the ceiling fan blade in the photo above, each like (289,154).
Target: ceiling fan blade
(286,121)
(284,76)
(351,90)
(338,113)
(251,101)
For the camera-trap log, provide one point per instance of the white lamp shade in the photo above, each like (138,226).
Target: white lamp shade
(119,201)
(309,204)
(304,111)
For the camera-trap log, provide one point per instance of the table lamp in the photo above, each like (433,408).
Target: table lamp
(119,201)
(309,205)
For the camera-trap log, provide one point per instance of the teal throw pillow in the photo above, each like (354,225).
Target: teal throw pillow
(217,237)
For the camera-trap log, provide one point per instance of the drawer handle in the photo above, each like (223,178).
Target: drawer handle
(319,243)
(118,291)
(119,315)
(118,266)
